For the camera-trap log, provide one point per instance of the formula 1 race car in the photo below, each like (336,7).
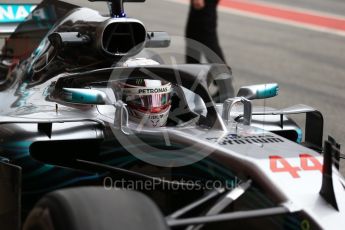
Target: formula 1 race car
(98,132)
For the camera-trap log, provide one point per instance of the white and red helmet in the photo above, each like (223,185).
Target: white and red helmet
(148,101)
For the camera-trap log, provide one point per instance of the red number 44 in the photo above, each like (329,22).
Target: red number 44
(307,163)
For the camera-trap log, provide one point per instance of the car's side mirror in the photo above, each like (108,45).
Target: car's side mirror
(84,96)
(262,91)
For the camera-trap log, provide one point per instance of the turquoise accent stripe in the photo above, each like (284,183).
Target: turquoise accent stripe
(18,144)
(41,170)
(299,136)
(15,13)
(270,91)
(20,147)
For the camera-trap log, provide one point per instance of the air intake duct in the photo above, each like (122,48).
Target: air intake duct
(121,37)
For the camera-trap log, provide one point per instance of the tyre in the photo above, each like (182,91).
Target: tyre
(95,208)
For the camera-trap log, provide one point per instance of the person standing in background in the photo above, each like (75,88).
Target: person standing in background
(202,27)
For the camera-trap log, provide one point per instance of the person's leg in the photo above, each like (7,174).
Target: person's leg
(193,29)
(202,27)
(211,39)
(213,44)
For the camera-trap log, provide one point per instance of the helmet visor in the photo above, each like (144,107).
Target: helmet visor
(152,104)
(148,99)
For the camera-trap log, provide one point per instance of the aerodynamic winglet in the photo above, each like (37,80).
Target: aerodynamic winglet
(327,188)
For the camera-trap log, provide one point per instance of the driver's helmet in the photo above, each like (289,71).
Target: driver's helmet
(148,101)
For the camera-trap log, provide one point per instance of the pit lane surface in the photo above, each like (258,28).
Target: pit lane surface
(308,64)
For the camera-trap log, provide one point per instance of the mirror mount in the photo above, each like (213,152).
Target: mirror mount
(121,116)
(247,109)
